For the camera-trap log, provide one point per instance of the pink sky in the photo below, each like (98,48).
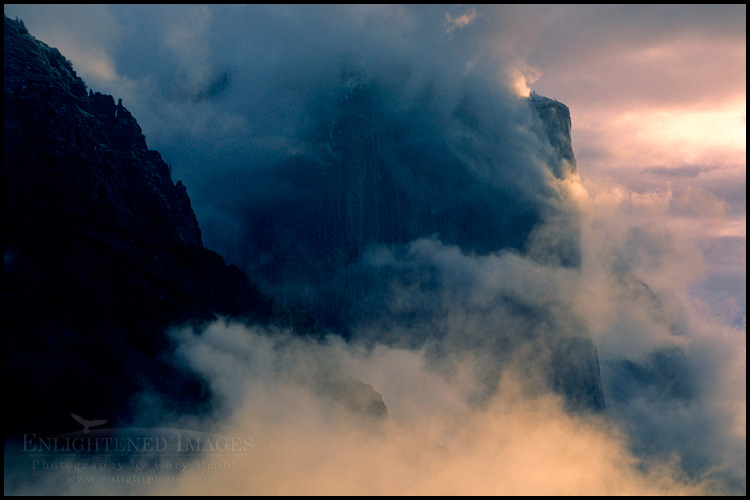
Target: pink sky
(657,96)
(649,87)
(657,93)
(658,101)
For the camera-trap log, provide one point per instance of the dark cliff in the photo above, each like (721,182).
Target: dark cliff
(556,119)
(102,252)
(379,178)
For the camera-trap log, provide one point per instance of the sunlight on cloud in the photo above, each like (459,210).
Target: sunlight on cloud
(461,21)
(522,77)
(93,66)
(522,442)
(520,85)
(666,137)
(697,134)
(302,401)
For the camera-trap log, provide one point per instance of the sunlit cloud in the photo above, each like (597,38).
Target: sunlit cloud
(667,118)
(523,77)
(684,136)
(520,84)
(461,21)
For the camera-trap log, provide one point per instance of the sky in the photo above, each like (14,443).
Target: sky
(657,96)
(657,93)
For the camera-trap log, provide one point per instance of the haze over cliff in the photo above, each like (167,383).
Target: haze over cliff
(469,293)
(102,251)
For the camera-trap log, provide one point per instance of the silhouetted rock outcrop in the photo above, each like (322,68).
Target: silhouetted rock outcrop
(556,119)
(102,253)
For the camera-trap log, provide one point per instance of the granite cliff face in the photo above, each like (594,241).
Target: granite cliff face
(556,119)
(376,181)
(103,250)
(102,253)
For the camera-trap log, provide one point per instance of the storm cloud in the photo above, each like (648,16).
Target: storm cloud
(241,101)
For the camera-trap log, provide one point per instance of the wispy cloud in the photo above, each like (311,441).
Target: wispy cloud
(460,22)
(673,359)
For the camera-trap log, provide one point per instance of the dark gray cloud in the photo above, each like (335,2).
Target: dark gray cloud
(277,68)
(237,98)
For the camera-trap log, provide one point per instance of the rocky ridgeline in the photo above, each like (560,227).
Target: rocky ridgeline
(102,253)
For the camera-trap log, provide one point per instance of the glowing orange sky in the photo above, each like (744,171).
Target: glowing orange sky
(649,86)
(657,96)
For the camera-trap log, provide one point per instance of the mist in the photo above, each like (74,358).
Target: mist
(673,377)
(441,384)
